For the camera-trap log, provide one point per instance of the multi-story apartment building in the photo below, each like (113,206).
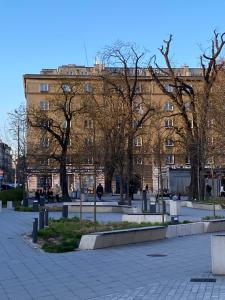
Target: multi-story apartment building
(5,162)
(155,139)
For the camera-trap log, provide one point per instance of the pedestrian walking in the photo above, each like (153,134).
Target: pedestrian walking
(99,191)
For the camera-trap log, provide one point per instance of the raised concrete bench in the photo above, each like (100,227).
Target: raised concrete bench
(139,218)
(101,208)
(202,206)
(122,237)
(214,225)
(184,229)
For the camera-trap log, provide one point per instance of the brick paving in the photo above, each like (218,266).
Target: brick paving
(126,272)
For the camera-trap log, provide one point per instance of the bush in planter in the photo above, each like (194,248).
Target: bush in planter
(15,195)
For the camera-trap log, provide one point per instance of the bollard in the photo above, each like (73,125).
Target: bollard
(0,205)
(41,219)
(65,211)
(35,230)
(46,217)
(164,206)
(144,198)
(9,205)
(35,205)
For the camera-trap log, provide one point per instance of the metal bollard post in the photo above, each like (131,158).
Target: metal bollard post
(46,217)
(164,206)
(144,198)
(65,211)
(35,230)
(41,219)
(35,205)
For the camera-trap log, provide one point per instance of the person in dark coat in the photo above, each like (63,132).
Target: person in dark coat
(99,191)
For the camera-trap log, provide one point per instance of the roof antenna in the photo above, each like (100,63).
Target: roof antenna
(85,50)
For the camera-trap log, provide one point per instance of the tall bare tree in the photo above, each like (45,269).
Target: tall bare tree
(55,124)
(197,95)
(123,68)
(18,132)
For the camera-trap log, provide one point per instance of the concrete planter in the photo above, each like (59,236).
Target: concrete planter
(139,218)
(218,254)
(101,207)
(121,237)
(175,208)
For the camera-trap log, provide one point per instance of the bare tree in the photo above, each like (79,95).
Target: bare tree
(122,80)
(55,124)
(197,96)
(18,131)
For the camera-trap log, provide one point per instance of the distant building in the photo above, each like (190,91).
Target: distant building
(41,91)
(5,162)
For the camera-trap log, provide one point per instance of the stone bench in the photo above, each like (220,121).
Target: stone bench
(145,217)
(214,225)
(122,237)
(101,207)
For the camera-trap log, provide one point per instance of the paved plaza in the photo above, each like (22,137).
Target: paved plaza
(153,270)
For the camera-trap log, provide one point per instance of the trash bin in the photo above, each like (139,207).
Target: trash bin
(152,208)
(35,205)
(175,220)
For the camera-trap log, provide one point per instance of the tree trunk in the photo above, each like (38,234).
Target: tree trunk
(63,181)
(129,175)
(194,184)
(109,172)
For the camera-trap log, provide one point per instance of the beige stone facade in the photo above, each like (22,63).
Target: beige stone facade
(41,89)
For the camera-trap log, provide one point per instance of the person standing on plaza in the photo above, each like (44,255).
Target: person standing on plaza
(99,191)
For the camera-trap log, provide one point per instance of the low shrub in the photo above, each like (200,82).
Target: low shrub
(64,235)
(213,217)
(15,195)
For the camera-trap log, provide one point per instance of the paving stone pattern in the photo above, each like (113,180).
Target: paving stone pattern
(126,272)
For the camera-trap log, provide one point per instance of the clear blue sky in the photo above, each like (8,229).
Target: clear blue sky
(48,33)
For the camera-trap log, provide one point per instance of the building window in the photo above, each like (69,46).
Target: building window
(138,141)
(44,161)
(44,87)
(88,88)
(169,159)
(88,123)
(210,160)
(168,106)
(169,143)
(138,107)
(64,124)
(138,89)
(66,88)
(191,123)
(135,124)
(168,88)
(89,161)
(187,106)
(69,160)
(187,160)
(89,141)
(44,105)
(138,160)
(168,123)
(44,142)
